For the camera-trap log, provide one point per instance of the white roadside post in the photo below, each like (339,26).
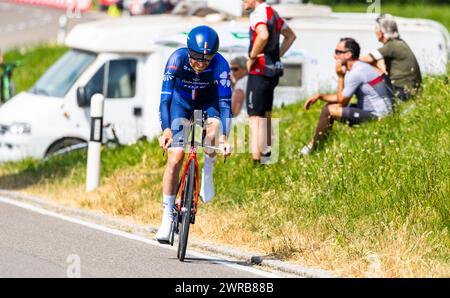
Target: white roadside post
(95,142)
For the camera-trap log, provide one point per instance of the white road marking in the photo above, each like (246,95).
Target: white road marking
(131,236)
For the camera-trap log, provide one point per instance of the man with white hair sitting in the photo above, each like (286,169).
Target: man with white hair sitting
(395,58)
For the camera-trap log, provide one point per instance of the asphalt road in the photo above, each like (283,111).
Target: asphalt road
(36,244)
(22,24)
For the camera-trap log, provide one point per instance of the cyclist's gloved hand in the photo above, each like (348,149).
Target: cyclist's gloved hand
(166,139)
(224,146)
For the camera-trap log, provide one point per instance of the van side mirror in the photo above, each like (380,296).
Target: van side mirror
(82,97)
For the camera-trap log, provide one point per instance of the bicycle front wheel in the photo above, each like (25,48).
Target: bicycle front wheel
(187,210)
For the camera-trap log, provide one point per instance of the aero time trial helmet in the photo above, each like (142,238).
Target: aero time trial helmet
(202,43)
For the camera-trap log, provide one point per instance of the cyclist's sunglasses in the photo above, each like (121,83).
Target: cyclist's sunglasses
(201,57)
(337,52)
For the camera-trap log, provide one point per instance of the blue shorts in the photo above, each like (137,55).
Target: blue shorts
(181,112)
(353,115)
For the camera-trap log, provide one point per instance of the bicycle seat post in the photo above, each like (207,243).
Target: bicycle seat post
(204,117)
(197,120)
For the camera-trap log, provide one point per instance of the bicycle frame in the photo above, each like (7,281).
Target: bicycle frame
(192,156)
(185,209)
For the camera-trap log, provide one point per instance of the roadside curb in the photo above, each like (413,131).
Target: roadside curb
(147,231)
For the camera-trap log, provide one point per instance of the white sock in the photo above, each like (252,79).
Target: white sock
(208,166)
(168,202)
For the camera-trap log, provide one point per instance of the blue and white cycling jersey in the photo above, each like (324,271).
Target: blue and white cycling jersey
(184,90)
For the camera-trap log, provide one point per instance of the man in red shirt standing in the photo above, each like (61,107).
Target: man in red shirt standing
(264,68)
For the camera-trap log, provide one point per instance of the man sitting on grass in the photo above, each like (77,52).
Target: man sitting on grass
(395,58)
(354,77)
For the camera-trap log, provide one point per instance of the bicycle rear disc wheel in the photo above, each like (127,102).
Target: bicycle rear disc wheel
(188,201)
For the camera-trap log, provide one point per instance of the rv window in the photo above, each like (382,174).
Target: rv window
(122,78)
(95,85)
(292,76)
(59,78)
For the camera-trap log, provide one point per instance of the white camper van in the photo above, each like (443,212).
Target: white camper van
(124,59)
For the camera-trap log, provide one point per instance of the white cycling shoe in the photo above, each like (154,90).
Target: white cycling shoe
(163,235)
(207,187)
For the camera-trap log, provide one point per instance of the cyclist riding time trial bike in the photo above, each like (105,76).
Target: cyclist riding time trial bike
(185,208)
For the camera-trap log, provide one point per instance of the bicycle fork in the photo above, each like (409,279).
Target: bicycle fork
(192,156)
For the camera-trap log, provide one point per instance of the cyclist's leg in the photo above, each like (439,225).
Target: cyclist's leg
(178,116)
(180,113)
(213,127)
(170,182)
(212,139)
(173,167)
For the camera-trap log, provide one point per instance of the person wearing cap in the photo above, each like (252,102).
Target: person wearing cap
(395,58)
(195,78)
(239,78)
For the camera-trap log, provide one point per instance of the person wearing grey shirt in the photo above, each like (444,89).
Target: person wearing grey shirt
(354,78)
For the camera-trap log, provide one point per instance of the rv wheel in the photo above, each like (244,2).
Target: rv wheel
(65,146)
